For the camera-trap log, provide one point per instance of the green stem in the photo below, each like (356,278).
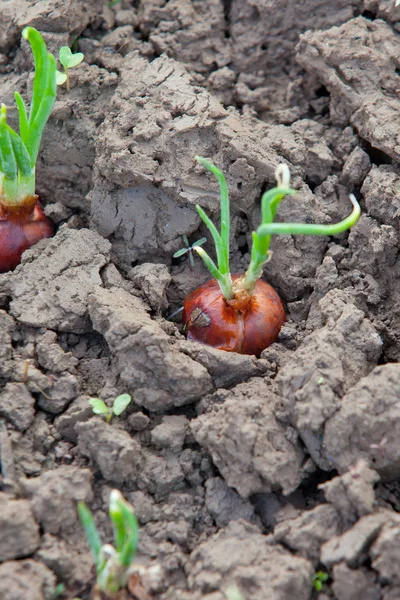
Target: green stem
(224,279)
(117,520)
(221,240)
(311,229)
(261,239)
(128,550)
(92,534)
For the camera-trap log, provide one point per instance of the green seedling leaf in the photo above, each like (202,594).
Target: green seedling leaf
(318,580)
(98,406)
(180,252)
(69,60)
(59,589)
(199,242)
(60,78)
(120,404)
(189,249)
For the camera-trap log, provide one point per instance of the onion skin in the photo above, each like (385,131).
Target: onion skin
(20,228)
(246,324)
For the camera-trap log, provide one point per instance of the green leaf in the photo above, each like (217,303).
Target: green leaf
(180,252)
(8,163)
(92,534)
(47,99)
(313,229)
(215,235)
(40,55)
(20,153)
(69,60)
(117,520)
(318,585)
(22,117)
(210,264)
(199,242)
(59,589)
(60,77)
(132,533)
(120,404)
(221,241)
(99,407)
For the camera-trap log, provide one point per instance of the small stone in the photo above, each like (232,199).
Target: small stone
(170,433)
(352,493)
(224,504)
(64,389)
(19,530)
(78,412)
(17,405)
(305,533)
(178,531)
(152,280)
(138,421)
(161,475)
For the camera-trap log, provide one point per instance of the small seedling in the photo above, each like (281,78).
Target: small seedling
(233,593)
(68,60)
(319,579)
(59,590)
(242,313)
(120,403)
(189,249)
(114,564)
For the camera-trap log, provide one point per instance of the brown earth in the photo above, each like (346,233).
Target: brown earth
(245,472)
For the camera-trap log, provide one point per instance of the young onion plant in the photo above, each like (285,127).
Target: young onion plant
(22,220)
(242,313)
(114,564)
